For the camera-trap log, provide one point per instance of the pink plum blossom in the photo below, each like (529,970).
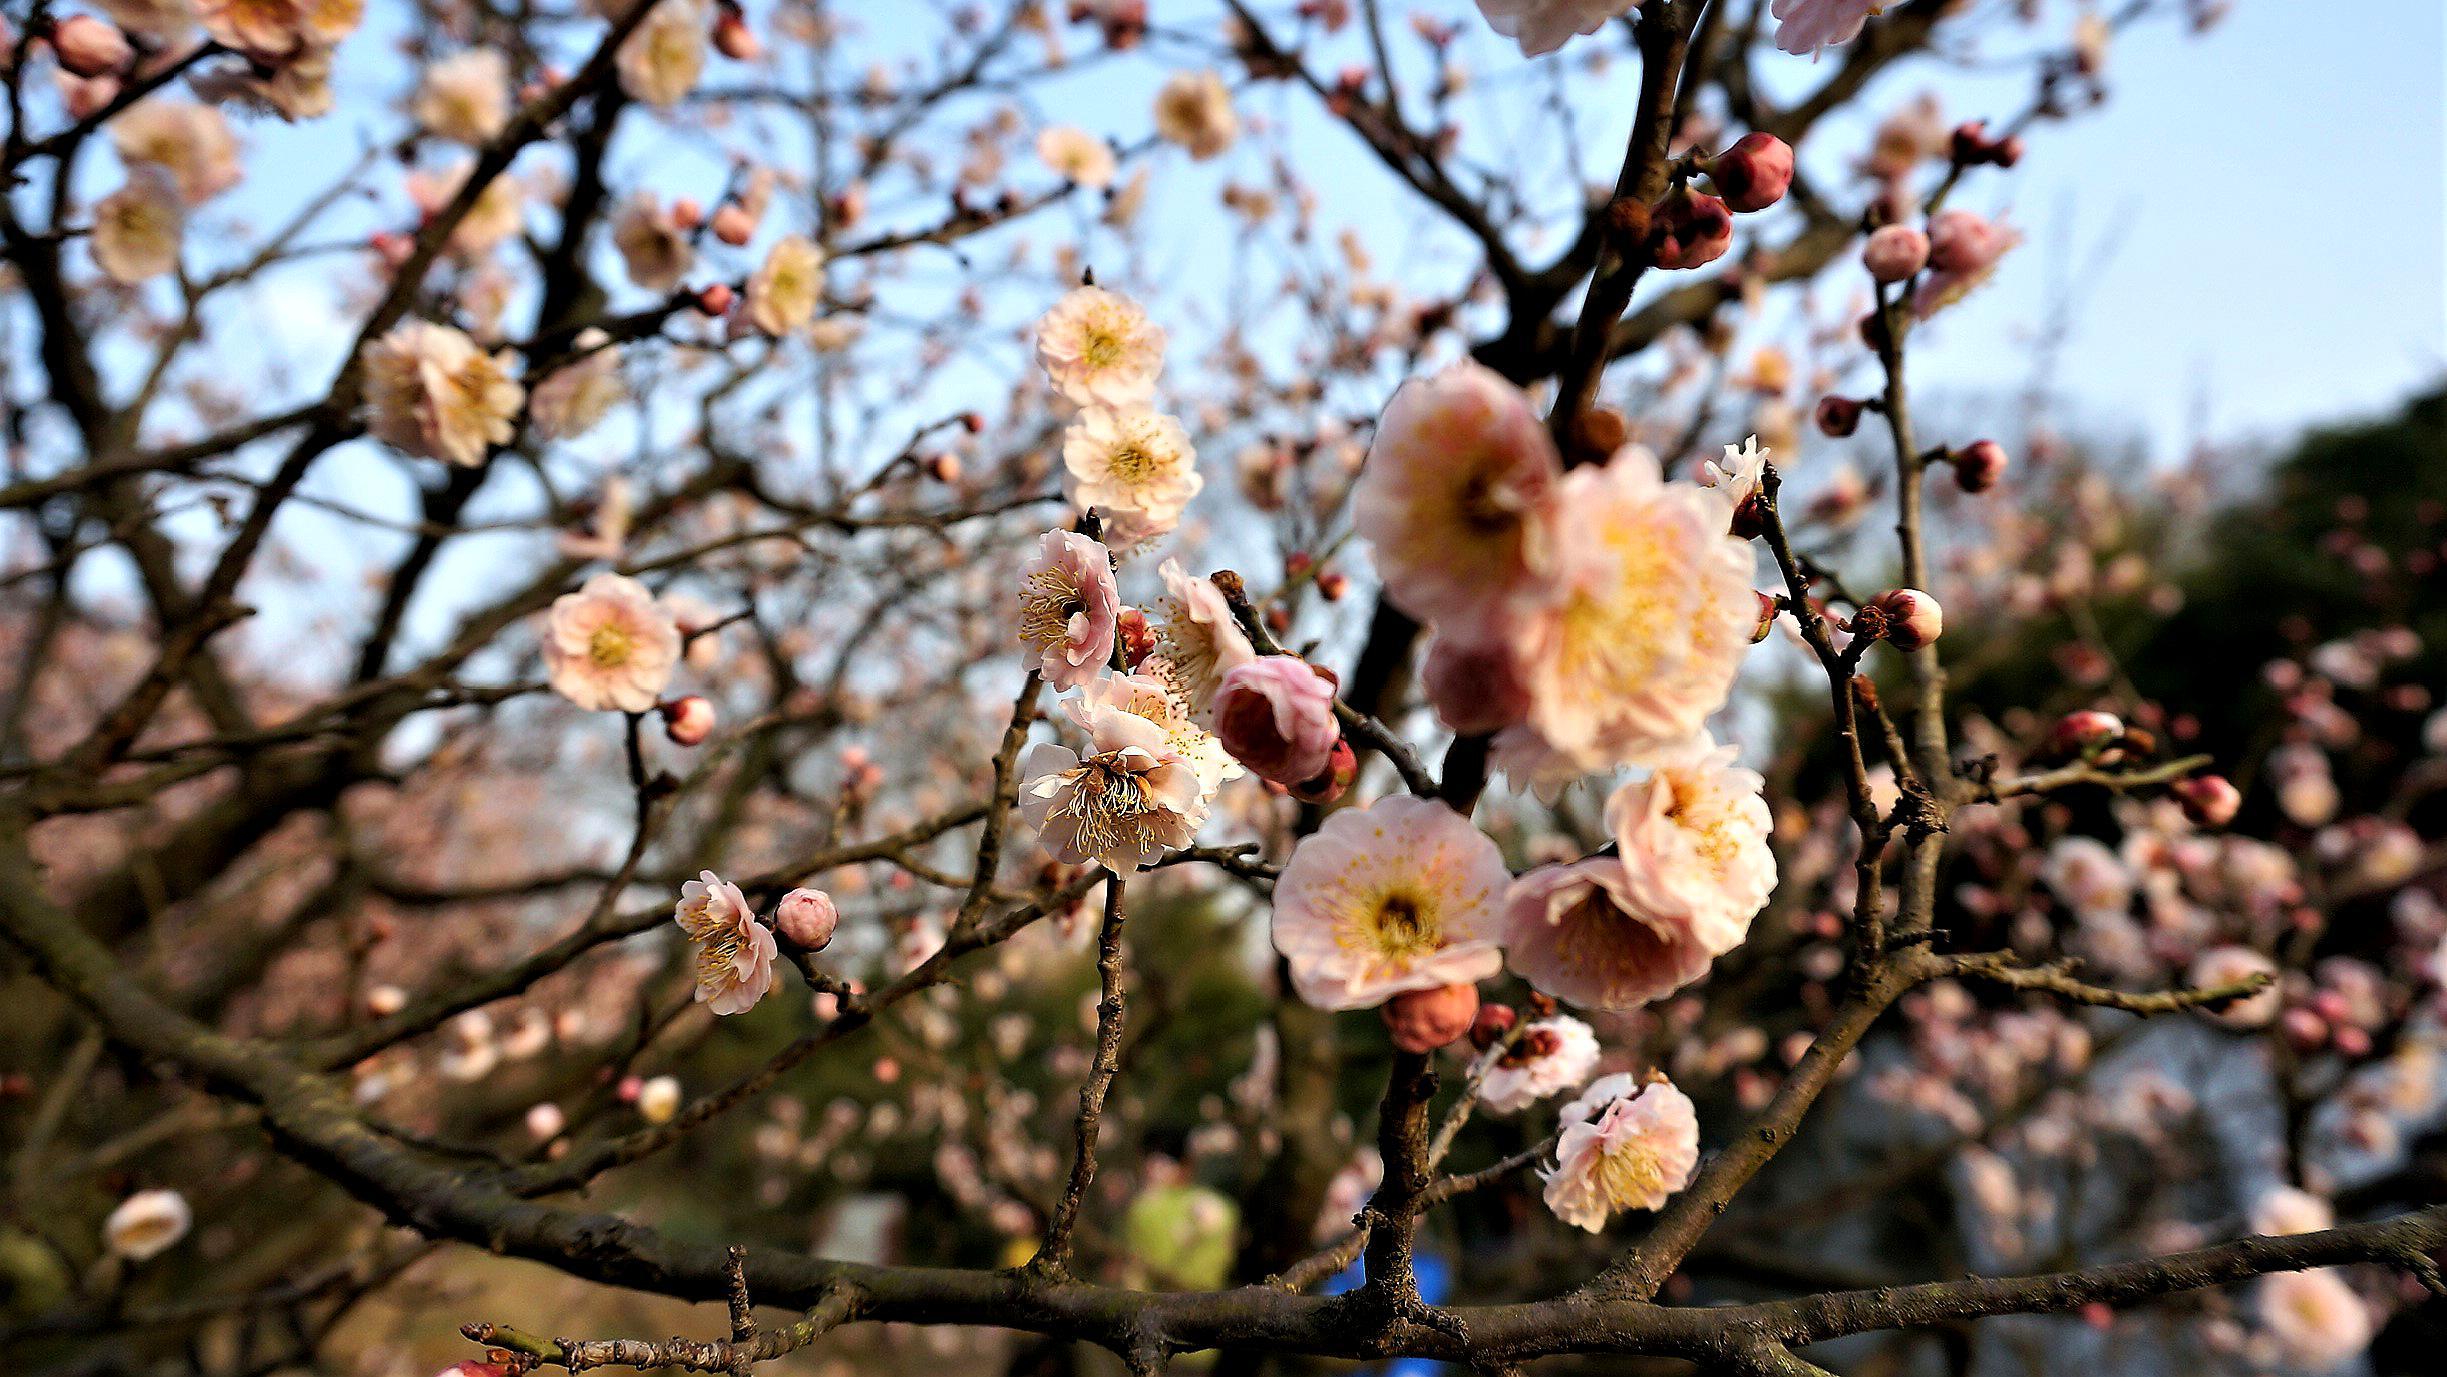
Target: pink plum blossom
(1399,895)
(2318,1321)
(1198,639)
(1131,797)
(1457,496)
(734,951)
(1276,716)
(1100,349)
(1542,26)
(1693,838)
(610,645)
(1068,608)
(1551,1056)
(1622,1146)
(1805,26)
(1575,932)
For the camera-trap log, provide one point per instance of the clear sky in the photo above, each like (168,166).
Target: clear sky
(2271,201)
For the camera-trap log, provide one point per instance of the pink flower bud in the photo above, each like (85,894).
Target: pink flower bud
(86,99)
(1424,1020)
(1911,618)
(734,39)
(687,213)
(472,1368)
(2084,731)
(1341,768)
(1895,252)
(1978,465)
(2209,800)
(391,247)
(1755,173)
(1838,416)
(733,225)
(2352,1042)
(1768,608)
(1491,1024)
(545,1122)
(1332,584)
(807,917)
(688,720)
(90,47)
(943,466)
(1138,639)
(1962,243)
(715,300)
(1276,716)
(1688,229)
(1475,688)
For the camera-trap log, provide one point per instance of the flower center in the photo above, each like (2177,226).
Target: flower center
(1048,601)
(1130,462)
(1108,802)
(1402,929)
(1101,349)
(1628,1171)
(609,647)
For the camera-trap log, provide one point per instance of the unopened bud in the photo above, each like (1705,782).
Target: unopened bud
(1911,618)
(1769,606)
(90,47)
(1424,1020)
(1491,1024)
(1895,253)
(2209,800)
(807,918)
(734,39)
(1979,465)
(2084,731)
(545,1122)
(1138,639)
(1332,584)
(715,299)
(943,466)
(1688,229)
(1755,173)
(1342,766)
(733,225)
(689,720)
(1597,433)
(1838,416)
(687,213)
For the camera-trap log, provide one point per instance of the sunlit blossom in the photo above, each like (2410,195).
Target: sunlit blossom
(1198,638)
(1068,607)
(430,391)
(785,290)
(1693,838)
(465,97)
(660,61)
(1546,1058)
(136,229)
(1194,110)
(1133,464)
(1622,1145)
(1099,348)
(734,951)
(1542,26)
(1400,895)
(1578,933)
(610,645)
(1123,803)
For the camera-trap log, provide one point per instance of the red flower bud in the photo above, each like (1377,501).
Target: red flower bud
(1492,1023)
(733,225)
(1424,1020)
(1911,619)
(943,466)
(2209,800)
(1755,173)
(1688,229)
(734,39)
(1768,608)
(689,720)
(1978,465)
(1341,768)
(1838,416)
(2084,731)
(715,300)
(1138,639)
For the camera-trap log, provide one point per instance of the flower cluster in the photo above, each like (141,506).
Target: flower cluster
(734,949)
(1131,464)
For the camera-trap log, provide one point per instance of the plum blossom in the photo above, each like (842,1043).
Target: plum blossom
(784,292)
(1457,496)
(610,645)
(1276,716)
(1576,932)
(430,391)
(1068,607)
(1151,695)
(2316,1319)
(1655,614)
(1100,349)
(1805,26)
(573,397)
(1963,251)
(496,215)
(1133,464)
(1125,802)
(2288,1210)
(1076,155)
(661,60)
(1551,1056)
(2087,876)
(1542,26)
(1622,1146)
(658,1100)
(735,952)
(1736,478)
(136,229)
(2228,965)
(1194,110)
(653,245)
(191,141)
(1693,838)
(147,1224)
(1198,639)
(1400,895)
(465,97)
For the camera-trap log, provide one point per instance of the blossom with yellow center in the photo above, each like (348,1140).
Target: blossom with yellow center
(784,292)
(1577,932)
(1122,804)
(1400,895)
(1132,464)
(610,645)
(660,61)
(1622,1146)
(1194,110)
(430,391)
(734,952)
(1654,613)
(1100,349)
(1693,839)
(1198,638)
(1068,608)
(136,229)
